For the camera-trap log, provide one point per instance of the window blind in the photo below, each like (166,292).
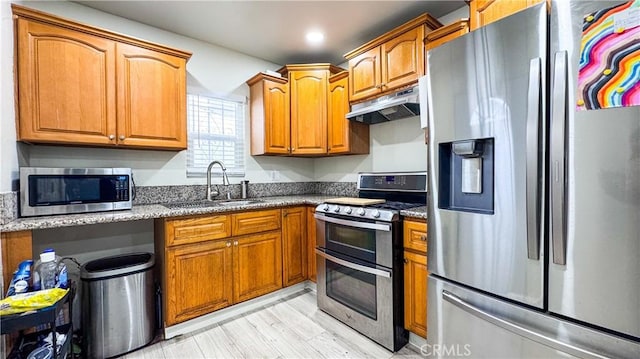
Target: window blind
(215,129)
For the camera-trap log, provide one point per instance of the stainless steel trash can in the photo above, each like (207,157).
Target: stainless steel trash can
(118,304)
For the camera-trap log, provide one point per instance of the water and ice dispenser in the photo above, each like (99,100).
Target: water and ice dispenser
(466,175)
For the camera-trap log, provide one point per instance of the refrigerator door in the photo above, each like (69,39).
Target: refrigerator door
(466,323)
(486,197)
(594,267)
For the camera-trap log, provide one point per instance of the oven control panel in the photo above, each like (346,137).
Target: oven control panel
(399,181)
(359,212)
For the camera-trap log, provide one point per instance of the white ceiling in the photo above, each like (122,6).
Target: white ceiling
(275,30)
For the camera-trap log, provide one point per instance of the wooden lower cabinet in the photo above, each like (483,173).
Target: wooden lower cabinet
(257,265)
(294,245)
(199,280)
(311,243)
(415,276)
(415,293)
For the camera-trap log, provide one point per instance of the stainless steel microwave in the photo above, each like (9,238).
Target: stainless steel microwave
(46,191)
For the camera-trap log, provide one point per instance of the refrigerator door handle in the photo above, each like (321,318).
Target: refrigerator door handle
(534,102)
(518,329)
(558,127)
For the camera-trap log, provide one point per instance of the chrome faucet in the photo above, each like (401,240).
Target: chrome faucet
(225,181)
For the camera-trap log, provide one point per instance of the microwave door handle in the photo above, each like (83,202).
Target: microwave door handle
(518,329)
(534,100)
(558,165)
(356,224)
(358,267)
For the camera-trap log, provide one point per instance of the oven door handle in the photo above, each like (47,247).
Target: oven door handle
(356,224)
(342,262)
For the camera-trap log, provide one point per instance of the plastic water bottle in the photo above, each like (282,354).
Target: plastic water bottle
(47,270)
(61,276)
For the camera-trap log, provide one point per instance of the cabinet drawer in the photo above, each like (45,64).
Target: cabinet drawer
(192,230)
(415,235)
(255,222)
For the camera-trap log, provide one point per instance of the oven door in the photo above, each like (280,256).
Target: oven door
(363,239)
(358,293)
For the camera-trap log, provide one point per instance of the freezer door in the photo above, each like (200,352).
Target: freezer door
(594,269)
(486,154)
(463,322)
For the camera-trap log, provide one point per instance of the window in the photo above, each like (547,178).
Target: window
(215,132)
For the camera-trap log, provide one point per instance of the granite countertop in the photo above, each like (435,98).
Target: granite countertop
(152,211)
(417,212)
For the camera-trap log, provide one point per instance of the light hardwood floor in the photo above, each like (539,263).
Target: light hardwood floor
(290,328)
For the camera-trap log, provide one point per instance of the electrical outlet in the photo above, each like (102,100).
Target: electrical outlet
(275,175)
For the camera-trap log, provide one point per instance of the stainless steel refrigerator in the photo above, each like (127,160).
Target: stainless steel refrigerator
(534,187)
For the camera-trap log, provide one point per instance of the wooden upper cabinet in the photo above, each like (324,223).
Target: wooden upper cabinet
(66,91)
(390,61)
(483,12)
(81,85)
(344,136)
(446,33)
(308,101)
(403,59)
(365,74)
(270,121)
(151,98)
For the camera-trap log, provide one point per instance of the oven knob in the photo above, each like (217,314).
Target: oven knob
(361,211)
(375,213)
(325,207)
(347,210)
(337,209)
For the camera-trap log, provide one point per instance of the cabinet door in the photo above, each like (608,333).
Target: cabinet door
(415,235)
(294,245)
(344,136)
(308,111)
(403,59)
(311,243)
(415,293)
(151,99)
(364,75)
(66,85)
(257,265)
(198,229)
(199,280)
(483,12)
(277,123)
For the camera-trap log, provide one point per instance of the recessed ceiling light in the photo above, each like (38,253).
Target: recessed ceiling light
(314,37)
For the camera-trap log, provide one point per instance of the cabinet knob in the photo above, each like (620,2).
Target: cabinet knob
(121,137)
(112,137)
(293,149)
(423,237)
(235,243)
(406,261)
(228,244)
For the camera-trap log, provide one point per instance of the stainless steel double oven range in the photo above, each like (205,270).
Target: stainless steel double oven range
(360,258)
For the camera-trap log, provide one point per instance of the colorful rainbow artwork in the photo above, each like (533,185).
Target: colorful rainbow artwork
(609,74)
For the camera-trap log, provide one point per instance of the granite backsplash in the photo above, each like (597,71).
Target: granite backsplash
(185,193)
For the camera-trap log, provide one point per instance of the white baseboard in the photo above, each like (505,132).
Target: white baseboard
(235,310)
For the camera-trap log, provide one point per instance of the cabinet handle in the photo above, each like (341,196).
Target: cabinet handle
(112,137)
(406,261)
(121,137)
(284,214)
(235,243)
(228,244)
(423,237)
(293,149)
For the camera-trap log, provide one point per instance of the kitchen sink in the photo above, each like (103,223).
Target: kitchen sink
(238,202)
(194,204)
(205,203)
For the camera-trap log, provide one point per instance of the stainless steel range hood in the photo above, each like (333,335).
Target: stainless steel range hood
(402,104)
